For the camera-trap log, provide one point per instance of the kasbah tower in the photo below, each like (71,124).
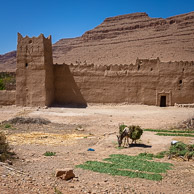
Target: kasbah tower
(34,83)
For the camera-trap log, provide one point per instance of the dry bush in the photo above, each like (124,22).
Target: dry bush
(4,148)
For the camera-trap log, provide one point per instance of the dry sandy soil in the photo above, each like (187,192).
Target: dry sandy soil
(33,172)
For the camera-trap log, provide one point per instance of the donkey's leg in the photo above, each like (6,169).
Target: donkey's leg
(128,141)
(124,142)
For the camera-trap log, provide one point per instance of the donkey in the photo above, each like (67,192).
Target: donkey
(124,135)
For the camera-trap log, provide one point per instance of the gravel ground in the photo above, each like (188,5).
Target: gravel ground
(32,172)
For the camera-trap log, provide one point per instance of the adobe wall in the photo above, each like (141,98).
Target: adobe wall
(34,83)
(141,83)
(7,97)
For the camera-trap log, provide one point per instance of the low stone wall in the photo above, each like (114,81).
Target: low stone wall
(185,105)
(7,97)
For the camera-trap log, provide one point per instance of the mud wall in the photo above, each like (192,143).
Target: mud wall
(141,83)
(34,83)
(7,97)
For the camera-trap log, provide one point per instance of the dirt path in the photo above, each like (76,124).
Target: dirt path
(34,173)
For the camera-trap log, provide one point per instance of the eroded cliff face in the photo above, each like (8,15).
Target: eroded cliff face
(8,61)
(123,39)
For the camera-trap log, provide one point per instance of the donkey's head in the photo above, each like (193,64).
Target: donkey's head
(119,139)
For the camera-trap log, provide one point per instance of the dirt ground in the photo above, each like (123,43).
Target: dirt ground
(32,172)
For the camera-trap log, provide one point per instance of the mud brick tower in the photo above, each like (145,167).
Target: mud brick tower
(34,84)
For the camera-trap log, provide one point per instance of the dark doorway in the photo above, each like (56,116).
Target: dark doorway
(163,101)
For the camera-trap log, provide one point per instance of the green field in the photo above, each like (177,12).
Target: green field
(141,166)
(160,132)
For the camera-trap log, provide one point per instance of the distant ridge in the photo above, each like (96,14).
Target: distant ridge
(122,39)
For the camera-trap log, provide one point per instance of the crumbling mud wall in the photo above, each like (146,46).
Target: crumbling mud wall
(149,82)
(7,97)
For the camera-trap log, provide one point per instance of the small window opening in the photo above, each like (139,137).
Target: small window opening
(138,68)
(30,41)
(151,69)
(26,65)
(183,69)
(180,81)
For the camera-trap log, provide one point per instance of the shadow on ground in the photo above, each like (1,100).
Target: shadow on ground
(140,145)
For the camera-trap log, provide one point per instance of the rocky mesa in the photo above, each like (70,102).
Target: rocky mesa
(123,39)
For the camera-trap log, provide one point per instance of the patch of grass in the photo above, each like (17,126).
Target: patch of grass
(162,132)
(48,153)
(139,163)
(160,154)
(175,134)
(7,126)
(181,149)
(131,166)
(57,191)
(169,131)
(120,148)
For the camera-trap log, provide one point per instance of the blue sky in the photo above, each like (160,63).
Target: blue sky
(71,18)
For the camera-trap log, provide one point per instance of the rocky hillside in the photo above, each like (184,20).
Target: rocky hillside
(122,39)
(8,61)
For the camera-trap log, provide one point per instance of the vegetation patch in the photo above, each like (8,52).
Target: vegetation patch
(48,153)
(141,166)
(175,134)
(4,148)
(182,150)
(28,120)
(7,126)
(7,81)
(185,133)
(169,131)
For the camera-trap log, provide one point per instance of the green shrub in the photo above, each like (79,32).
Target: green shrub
(7,126)
(48,153)
(181,149)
